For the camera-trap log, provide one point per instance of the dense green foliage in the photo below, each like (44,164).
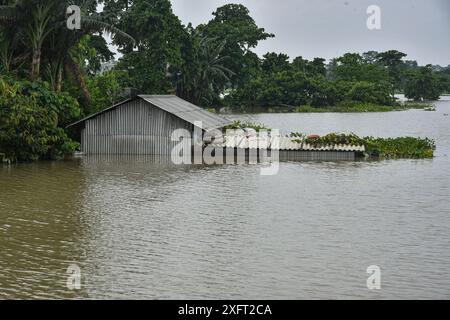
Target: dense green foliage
(403,147)
(40,59)
(233,26)
(30,115)
(35,42)
(105,90)
(422,84)
(158,34)
(370,79)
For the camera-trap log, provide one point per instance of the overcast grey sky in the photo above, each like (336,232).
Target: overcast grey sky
(329,28)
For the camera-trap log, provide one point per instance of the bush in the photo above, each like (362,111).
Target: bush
(29,118)
(423,84)
(370,93)
(105,90)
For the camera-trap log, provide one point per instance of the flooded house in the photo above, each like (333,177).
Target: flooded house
(142,125)
(145,125)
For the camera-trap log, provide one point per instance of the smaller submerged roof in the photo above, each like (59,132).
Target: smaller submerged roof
(281,143)
(176,106)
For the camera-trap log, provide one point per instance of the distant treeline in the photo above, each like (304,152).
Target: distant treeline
(370,78)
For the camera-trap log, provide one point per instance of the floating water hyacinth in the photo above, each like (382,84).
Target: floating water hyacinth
(393,148)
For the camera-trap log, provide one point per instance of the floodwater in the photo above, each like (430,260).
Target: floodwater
(144,228)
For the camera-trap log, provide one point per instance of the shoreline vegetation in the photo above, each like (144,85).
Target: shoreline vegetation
(363,107)
(376,148)
(350,107)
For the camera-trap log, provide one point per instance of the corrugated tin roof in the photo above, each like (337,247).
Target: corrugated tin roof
(281,143)
(187,111)
(99,113)
(176,106)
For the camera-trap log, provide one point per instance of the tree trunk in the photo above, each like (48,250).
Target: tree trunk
(79,79)
(59,78)
(36,63)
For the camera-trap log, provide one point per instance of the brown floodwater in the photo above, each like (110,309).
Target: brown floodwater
(141,227)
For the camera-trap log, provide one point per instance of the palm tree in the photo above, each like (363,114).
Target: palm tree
(43,22)
(62,56)
(33,20)
(204,76)
(214,75)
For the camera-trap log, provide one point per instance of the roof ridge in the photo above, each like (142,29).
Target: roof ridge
(158,96)
(180,108)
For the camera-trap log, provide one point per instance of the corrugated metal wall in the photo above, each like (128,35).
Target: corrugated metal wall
(300,155)
(237,155)
(134,128)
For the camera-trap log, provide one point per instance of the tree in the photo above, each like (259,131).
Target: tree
(233,23)
(42,23)
(31,117)
(422,84)
(275,62)
(158,36)
(317,66)
(312,68)
(393,61)
(370,57)
(99,53)
(105,89)
(368,92)
(444,79)
(353,67)
(33,19)
(207,80)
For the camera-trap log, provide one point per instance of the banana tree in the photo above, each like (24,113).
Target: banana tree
(62,54)
(42,26)
(33,20)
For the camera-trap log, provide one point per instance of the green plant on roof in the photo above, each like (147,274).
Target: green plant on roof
(246,125)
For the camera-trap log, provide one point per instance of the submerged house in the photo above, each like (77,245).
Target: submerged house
(142,125)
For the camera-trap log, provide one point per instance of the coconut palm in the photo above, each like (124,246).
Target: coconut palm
(214,75)
(203,83)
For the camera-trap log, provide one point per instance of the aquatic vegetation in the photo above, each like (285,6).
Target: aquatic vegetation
(391,148)
(403,147)
(418,105)
(361,107)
